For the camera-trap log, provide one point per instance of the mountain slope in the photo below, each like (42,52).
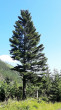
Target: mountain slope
(5,71)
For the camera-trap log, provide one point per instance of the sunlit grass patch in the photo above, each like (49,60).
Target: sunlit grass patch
(29,104)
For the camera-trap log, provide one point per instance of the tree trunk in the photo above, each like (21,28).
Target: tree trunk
(24,88)
(37,94)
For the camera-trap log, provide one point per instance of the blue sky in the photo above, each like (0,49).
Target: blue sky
(46,16)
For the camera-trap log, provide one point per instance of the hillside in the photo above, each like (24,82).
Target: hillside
(5,71)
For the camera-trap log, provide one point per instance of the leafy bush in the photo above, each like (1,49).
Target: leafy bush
(10,91)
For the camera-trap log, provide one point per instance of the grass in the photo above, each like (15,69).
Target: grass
(29,104)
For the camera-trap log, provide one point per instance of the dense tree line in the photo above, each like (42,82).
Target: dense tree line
(10,90)
(48,86)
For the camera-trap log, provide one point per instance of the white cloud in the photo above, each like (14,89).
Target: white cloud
(8,59)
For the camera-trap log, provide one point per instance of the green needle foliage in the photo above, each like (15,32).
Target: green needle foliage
(26,48)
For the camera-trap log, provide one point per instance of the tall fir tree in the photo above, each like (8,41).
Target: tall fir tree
(26,49)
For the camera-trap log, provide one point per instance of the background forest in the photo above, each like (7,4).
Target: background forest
(48,86)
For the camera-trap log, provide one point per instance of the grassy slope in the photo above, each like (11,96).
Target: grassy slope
(5,71)
(29,104)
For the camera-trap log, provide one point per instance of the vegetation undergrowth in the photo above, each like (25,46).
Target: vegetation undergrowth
(29,104)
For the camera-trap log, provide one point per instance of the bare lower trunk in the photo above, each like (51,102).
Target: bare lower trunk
(37,94)
(24,88)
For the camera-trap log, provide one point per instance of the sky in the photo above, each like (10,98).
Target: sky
(46,16)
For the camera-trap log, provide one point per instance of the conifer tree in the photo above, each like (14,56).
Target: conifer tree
(26,49)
